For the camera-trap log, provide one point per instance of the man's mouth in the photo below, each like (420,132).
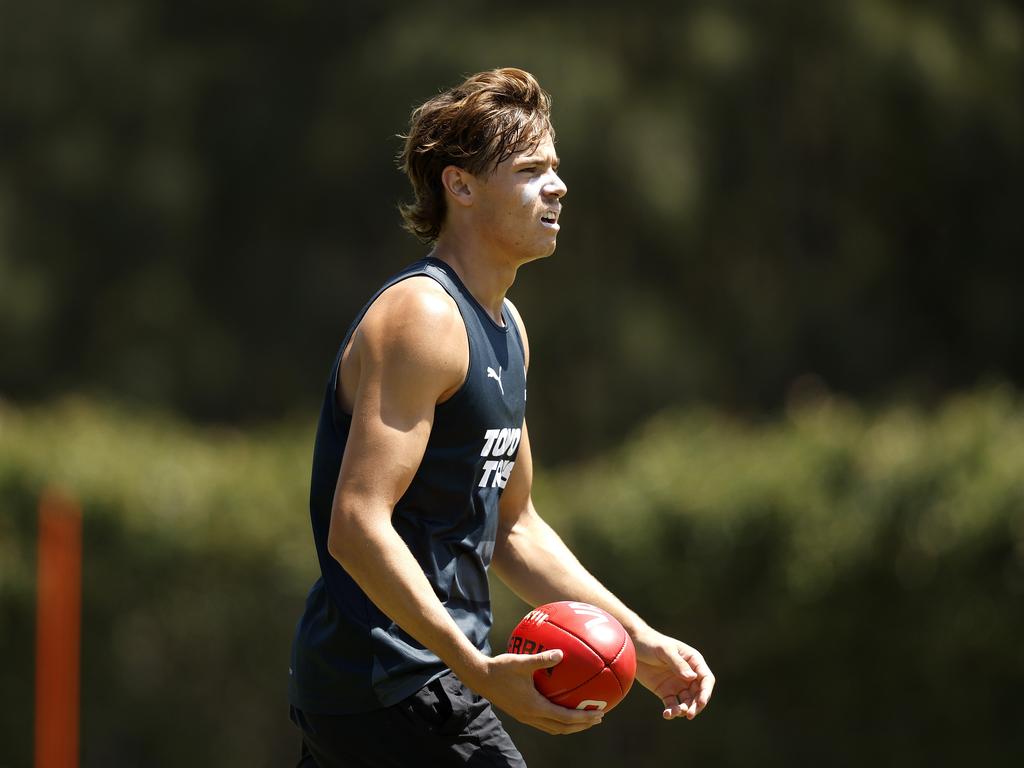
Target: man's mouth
(550,219)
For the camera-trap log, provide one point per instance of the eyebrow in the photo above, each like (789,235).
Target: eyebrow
(535,159)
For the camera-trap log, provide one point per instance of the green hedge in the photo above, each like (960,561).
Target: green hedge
(855,579)
(196,560)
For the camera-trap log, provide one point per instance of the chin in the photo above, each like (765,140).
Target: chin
(548,248)
(540,254)
(538,250)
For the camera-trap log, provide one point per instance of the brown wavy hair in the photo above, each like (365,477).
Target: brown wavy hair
(475,126)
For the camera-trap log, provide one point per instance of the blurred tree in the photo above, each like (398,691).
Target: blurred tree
(195,198)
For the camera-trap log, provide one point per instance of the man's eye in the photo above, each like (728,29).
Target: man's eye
(530,169)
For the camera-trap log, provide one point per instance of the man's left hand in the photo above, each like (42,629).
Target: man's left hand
(674,672)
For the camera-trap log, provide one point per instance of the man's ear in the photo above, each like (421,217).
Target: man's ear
(459,184)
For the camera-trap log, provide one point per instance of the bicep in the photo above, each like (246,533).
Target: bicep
(411,351)
(390,426)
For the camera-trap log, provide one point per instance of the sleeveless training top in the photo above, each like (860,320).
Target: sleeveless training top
(347,655)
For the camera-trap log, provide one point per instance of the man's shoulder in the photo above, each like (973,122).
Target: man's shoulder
(414,317)
(421,295)
(417,304)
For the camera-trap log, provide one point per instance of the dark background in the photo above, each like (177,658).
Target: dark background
(776,358)
(196,197)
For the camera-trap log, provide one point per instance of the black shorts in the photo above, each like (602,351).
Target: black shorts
(444,724)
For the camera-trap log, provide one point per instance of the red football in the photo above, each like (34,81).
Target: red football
(598,659)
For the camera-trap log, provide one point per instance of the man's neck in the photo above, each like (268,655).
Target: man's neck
(486,277)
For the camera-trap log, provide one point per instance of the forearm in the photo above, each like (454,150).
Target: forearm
(377,558)
(536,564)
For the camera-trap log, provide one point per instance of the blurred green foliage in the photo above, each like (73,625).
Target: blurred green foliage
(196,561)
(854,577)
(767,199)
(195,198)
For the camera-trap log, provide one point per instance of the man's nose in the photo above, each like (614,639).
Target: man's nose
(555,186)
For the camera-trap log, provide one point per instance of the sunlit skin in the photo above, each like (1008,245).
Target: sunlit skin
(409,353)
(516,204)
(495,222)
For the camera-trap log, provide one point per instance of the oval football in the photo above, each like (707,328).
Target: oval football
(598,663)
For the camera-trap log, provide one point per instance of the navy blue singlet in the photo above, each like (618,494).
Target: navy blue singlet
(347,655)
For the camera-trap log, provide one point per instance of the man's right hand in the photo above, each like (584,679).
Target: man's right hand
(506,681)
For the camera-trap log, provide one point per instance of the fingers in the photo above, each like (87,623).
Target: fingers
(683,659)
(555,728)
(562,720)
(678,706)
(703,676)
(540,660)
(682,705)
(559,726)
(695,661)
(691,701)
(677,673)
(707,685)
(548,710)
(518,696)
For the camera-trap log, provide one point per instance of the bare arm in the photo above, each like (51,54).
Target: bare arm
(398,381)
(531,558)
(409,353)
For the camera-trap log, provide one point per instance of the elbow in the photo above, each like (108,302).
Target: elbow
(358,529)
(335,546)
(342,535)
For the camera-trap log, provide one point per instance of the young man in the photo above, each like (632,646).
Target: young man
(422,471)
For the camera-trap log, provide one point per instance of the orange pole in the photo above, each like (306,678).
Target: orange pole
(58,627)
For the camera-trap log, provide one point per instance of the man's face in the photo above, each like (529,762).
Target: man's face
(520,202)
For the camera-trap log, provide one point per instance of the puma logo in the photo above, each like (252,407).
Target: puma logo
(497,377)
